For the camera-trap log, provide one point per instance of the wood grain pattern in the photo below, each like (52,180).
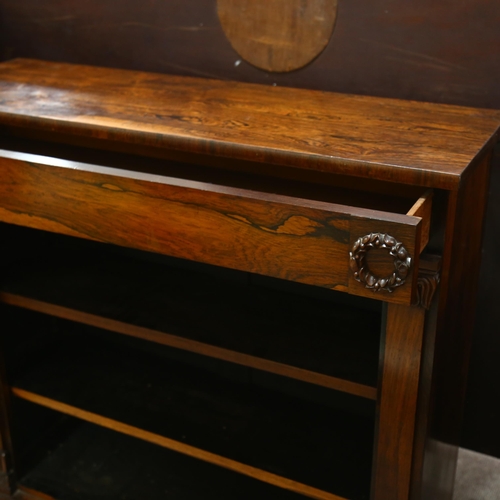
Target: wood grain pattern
(177,446)
(423,209)
(278,35)
(398,402)
(178,342)
(299,240)
(355,135)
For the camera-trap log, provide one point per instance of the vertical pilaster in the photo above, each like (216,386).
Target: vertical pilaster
(398,396)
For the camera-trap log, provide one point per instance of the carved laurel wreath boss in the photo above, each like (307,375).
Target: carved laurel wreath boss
(358,264)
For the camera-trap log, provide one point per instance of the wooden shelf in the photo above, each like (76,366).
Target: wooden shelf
(227,315)
(92,461)
(275,437)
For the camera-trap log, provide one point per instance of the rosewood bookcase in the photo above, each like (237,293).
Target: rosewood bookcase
(212,289)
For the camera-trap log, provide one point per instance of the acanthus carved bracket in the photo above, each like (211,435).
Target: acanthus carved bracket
(427,283)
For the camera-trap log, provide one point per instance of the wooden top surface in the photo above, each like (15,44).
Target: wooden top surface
(403,141)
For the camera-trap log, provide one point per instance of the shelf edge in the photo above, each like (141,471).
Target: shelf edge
(193,346)
(171,444)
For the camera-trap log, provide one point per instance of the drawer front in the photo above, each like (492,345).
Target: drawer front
(294,239)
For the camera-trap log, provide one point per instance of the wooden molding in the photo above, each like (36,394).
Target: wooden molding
(427,284)
(429,276)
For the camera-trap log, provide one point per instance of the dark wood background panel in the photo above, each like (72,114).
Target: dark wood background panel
(178,36)
(444,51)
(436,51)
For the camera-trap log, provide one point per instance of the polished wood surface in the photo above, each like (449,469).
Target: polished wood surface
(394,447)
(355,135)
(295,239)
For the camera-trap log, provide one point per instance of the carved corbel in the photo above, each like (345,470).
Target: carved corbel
(429,275)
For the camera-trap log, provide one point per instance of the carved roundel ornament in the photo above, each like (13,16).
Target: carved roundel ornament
(278,35)
(359,267)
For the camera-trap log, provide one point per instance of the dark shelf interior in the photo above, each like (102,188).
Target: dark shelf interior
(291,428)
(219,408)
(313,329)
(81,461)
